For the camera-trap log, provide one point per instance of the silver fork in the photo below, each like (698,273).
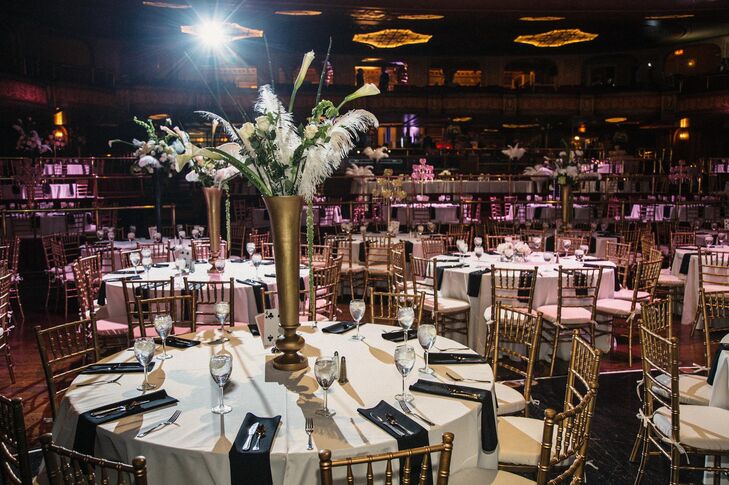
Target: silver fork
(407,410)
(161,425)
(309,428)
(464,379)
(452,348)
(111,381)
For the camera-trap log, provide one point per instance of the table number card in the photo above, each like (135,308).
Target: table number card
(271,327)
(726,223)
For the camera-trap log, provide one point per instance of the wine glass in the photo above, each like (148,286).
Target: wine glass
(357,310)
(478,251)
(714,226)
(181,235)
(144,352)
(221,365)
(579,254)
(133,228)
(604,226)
(250,249)
(110,234)
(420,229)
(100,234)
(722,238)
(404,361)
(195,233)
(585,248)
(134,260)
(478,242)
(157,237)
(405,317)
(426,337)
(547,256)
(431,227)
(220,265)
(537,243)
(222,310)
(325,371)
(147,263)
(180,264)
(131,236)
(256,259)
(163,325)
(566,243)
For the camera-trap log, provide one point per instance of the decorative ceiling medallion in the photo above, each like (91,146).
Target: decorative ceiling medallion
(372,59)
(368,14)
(518,126)
(670,16)
(540,19)
(556,38)
(462,119)
(298,13)
(616,119)
(165,5)
(390,38)
(420,16)
(231,31)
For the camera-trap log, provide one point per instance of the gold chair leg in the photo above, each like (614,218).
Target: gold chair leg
(643,457)
(555,347)
(675,464)
(630,343)
(637,444)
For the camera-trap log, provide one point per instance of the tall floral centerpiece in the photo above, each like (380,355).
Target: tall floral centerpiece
(286,163)
(155,156)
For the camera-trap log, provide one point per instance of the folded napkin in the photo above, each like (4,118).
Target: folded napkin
(258,288)
(686,262)
(161,265)
(452,358)
(116,368)
(474,282)
(549,244)
(178,342)
(341,327)
(408,250)
(248,466)
(270,275)
(399,335)
(101,295)
(85,437)
(253,327)
(125,271)
(715,363)
(237,261)
(409,434)
(267,262)
(362,251)
(593,245)
(200,261)
(489,436)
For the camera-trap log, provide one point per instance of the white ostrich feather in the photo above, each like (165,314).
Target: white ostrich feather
(227,127)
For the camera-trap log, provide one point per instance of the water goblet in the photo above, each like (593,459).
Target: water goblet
(100,234)
(566,243)
(195,233)
(157,237)
(147,263)
(325,371)
(222,310)
(134,260)
(221,366)
(256,259)
(144,352)
(405,317)
(708,240)
(357,310)
(220,265)
(714,226)
(579,254)
(180,264)
(131,236)
(163,326)
(478,251)
(250,249)
(420,229)
(404,362)
(181,235)
(478,242)
(604,226)
(547,256)
(426,337)
(110,235)
(431,227)
(363,229)
(537,243)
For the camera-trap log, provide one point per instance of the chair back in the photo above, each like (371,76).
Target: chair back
(161,251)
(578,287)
(180,307)
(619,254)
(713,270)
(237,239)
(646,280)
(134,289)
(201,249)
(321,254)
(513,288)
(385,305)
(657,316)
(492,242)
(528,236)
(87,274)
(406,457)
(258,239)
(684,238)
(398,266)
(424,273)
(326,284)
(715,311)
(65,351)
(453,237)
(432,247)
(377,250)
(574,242)
(14,459)
(343,249)
(207,294)
(68,467)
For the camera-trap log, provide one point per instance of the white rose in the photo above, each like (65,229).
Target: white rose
(247,130)
(310,131)
(509,252)
(192,176)
(262,123)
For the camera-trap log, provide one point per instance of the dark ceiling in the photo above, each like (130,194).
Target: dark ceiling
(468,27)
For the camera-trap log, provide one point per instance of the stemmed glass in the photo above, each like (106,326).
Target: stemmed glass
(163,325)
(146,260)
(144,352)
(222,310)
(157,237)
(181,235)
(478,252)
(133,228)
(462,248)
(426,337)
(100,234)
(131,236)
(420,229)
(256,259)
(357,310)
(110,235)
(135,259)
(180,264)
(325,371)
(220,265)
(404,361)
(579,254)
(250,249)
(405,317)
(536,243)
(478,242)
(547,256)
(566,245)
(221,365)
(722,238)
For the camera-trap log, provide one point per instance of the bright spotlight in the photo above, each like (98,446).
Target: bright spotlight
(212,34)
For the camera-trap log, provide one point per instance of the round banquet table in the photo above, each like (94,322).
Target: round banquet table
(245,301)
(690,271)
(195,449)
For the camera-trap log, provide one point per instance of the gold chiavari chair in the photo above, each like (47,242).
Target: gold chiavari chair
(6,324)
(124,261)
(161,252)
(673,429)
(624,309)
(443,310)
(573,241)
(713,277)
(714,307)
(517,335)
(520,450)
(575,309)
(630,236)
(51,267)
(106,252)
(385,305)
(201,249)
(267,250)
(321,254)
(432,247)
(451,238)
(237,239)
(398,280)
(530,235)
(13,267)
(377,260)
(63,273)
(14,453)
(351,269)
(258,239)
(619,254)
(68,467)
(406,457)
(87,274)
(492,242)
(512,288)
(65,351)
(134,289)
(207,294)
(682,238)
(4,252)
(182,309)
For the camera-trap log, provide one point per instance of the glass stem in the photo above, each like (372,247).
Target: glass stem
(426,362)
(220,386)
(357,328)
(164,347)
(403,388)
(145,376)
(326,400)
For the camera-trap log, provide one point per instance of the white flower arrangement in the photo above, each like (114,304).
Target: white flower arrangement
(522,249)
(506,250)
(158,152)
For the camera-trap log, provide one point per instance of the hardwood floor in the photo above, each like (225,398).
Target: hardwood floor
(617,401)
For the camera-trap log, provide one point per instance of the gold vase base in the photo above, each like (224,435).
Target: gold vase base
(290,362)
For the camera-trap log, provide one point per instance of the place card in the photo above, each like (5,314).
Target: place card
(271,327)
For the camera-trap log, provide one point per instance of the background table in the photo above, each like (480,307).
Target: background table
(357,243)
(691,289)
(195,450)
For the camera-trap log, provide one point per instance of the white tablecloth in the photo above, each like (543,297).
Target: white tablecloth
(550,212)
(691,289)
(444,212)
(195,449)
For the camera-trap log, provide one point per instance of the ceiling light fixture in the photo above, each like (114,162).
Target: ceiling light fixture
(372,59)
(420,16)
(298,13)
(368,14)
(166,5)
(462,119)
(670,16)
(616,119)
(556,38)
(518,126)
(158,116)
(540,19)
(214,34)
(390,38)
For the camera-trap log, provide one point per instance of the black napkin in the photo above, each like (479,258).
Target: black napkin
(439,271)
(418,435)
(86,426)
(685,262)
(715,363)
(549,244)
(253,327)
(362,253)
(408,250)
(474,282)
(258,287)
(341,327)
(267,262)
(200,261)
(160,265)
(125,271)
(237,260)
(525,284)
(593,245)
(253,466)
(452,358)
(616,276)
(399,335)
(489,436)
(117,368)
(178,342)
(537,213)
(101,296)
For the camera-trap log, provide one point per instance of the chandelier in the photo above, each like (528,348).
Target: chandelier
(556,38)
(390,38)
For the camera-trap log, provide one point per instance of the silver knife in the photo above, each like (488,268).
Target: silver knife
(251,432)
(391,427)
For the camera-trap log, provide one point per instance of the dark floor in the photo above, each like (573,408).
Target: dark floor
(613,430)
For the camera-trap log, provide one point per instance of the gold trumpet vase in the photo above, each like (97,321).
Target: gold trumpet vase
(566,203)
(213,196)
(285,215)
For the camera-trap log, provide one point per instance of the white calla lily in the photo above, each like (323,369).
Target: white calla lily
(368,89)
